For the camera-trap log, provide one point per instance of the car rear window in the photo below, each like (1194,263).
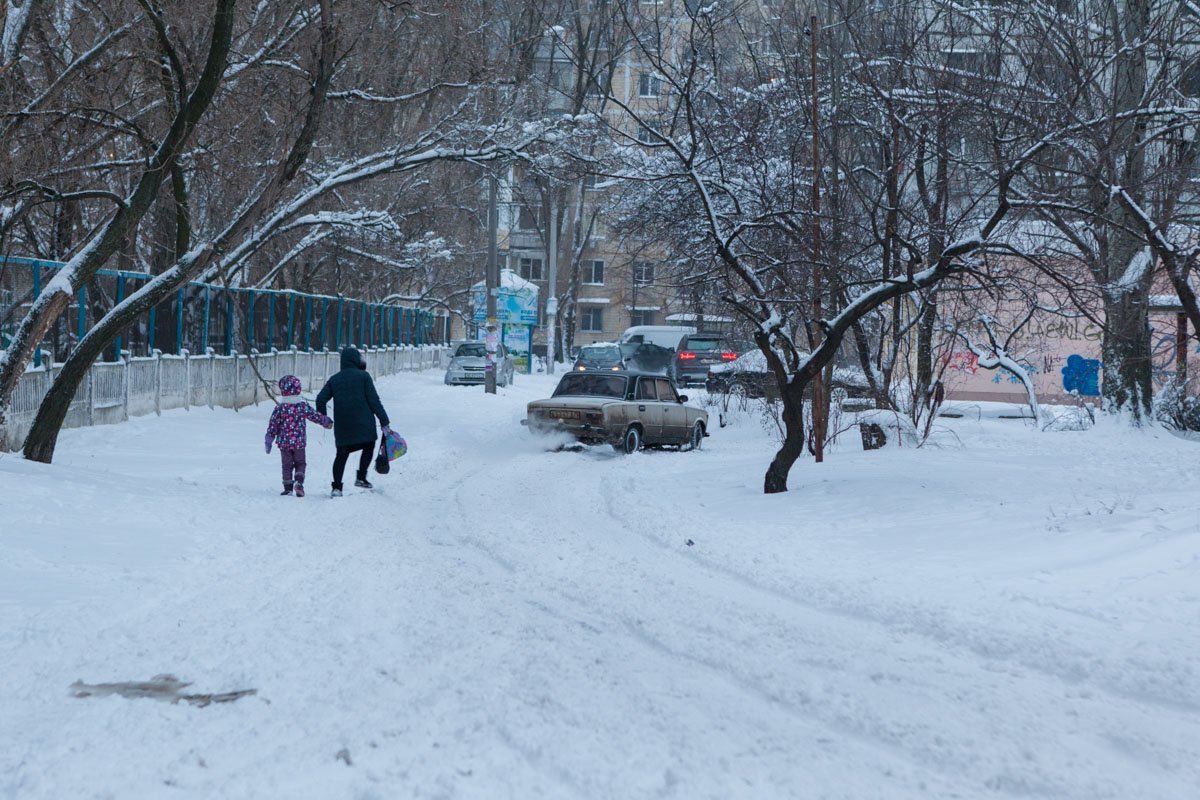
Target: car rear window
(475,349)
(704,345)
(579,384)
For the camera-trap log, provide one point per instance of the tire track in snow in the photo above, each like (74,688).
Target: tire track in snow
(935,627)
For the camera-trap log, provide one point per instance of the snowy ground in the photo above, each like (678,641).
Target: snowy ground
(1011,614)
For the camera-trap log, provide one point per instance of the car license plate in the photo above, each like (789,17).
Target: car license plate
(558,413)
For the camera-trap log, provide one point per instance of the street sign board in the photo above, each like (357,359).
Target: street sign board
(517,306)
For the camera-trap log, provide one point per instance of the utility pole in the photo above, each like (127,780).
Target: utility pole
(491,287)
(552,291)
(818,382)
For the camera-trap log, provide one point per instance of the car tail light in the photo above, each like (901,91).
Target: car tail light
(686,356)
(728,356)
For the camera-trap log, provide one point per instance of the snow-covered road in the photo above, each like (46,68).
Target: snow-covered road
(1012,614)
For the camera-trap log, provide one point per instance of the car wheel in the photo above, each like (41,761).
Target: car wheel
(696,440)
(631,442)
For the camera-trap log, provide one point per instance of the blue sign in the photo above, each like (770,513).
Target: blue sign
(517,306)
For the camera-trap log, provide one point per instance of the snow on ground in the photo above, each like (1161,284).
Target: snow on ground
(1013,613)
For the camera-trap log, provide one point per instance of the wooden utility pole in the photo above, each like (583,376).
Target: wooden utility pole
(552,292)
(818,382)
(491,287)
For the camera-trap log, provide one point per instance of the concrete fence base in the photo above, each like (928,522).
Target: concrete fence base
(115,391)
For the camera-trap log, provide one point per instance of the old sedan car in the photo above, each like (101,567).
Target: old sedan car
(468,362)
(598,357)
(624,409)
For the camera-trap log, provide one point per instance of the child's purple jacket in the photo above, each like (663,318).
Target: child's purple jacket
(287,427)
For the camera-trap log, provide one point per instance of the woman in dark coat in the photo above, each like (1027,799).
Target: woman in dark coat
(355,407)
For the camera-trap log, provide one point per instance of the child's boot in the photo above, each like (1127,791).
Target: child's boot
(287,488)
(299,489)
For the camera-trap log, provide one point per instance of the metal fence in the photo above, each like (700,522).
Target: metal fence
(114,391)
(202,316)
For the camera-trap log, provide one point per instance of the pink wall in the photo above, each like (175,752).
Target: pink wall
(1045,347)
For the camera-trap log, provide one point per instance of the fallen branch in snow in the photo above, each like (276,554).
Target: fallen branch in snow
(160,687)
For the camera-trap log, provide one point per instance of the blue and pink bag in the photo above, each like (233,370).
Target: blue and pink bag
(391,447)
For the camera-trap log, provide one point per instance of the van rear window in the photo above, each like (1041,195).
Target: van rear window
(705,345)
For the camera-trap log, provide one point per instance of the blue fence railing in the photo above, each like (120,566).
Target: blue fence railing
(202,316)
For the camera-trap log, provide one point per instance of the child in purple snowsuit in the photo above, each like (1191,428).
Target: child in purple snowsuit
(287,429)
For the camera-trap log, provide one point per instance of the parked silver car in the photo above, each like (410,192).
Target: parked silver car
(468,361)
(624,409)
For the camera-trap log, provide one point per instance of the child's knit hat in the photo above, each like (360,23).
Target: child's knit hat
(289,386)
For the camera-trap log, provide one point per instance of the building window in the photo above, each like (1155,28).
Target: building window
(529,218)
(641,318)
(649,85)
(1189,83)
(646,135)
(643,273)
(591,181)
(530,268)
(593,272)
(591,320)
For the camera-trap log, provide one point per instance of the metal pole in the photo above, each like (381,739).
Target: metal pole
(291,327)
(120,297)
(552,300)
(229,327)
(37,290)
(179,322)
(818,388)
(308,325)
(491,286)
(250,319)
(82,313)
(337,329)
(1181,346)
(324,322)
(204,330)
(270,320)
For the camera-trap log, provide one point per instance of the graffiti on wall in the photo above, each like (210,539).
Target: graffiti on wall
(1073,328)
(962,361)
(1082,375)
(1002,375)
(1163,355)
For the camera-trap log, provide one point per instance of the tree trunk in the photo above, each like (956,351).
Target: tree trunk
(792,448)
(925,330)
(43,436)
(1126,356)
(113,234)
